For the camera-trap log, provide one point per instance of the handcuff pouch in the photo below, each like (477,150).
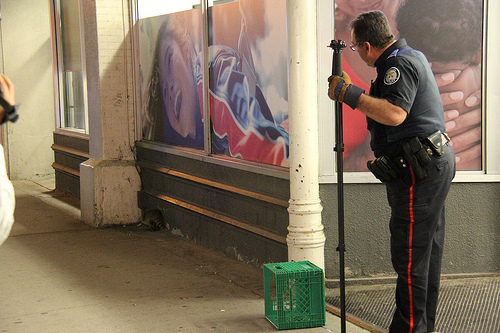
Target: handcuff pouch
(436,143)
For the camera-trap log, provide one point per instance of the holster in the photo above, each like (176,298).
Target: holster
(384,169)
(416,154)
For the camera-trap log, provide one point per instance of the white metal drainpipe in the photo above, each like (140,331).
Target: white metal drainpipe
(306,238)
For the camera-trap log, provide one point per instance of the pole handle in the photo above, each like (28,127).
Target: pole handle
(337,46)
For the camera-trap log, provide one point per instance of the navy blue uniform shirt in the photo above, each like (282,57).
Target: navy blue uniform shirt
(405,79)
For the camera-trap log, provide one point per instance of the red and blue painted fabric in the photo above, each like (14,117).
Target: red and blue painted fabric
(242,123)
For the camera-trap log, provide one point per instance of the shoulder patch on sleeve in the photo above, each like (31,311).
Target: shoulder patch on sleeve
(391,76)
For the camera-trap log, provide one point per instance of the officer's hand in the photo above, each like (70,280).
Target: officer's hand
(338,86)
(342,90)
(344,77)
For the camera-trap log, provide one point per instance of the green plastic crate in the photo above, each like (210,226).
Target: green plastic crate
(294,294)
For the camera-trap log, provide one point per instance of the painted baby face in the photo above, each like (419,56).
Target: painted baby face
(178,87)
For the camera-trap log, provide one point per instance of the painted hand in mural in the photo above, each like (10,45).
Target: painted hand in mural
(461,95)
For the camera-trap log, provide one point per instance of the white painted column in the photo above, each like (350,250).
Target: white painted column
(109,180)
(306,238)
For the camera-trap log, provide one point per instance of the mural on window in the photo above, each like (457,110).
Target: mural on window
(248,83)
(248,80)
(449,33)
(171,78)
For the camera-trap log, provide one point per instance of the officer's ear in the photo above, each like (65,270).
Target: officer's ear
(366,46)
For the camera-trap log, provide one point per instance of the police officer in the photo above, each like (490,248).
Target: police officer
(413,158)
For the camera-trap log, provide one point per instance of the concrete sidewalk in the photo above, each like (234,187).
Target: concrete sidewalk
(59,275)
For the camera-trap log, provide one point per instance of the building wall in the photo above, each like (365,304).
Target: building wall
(109,180)
(116,80)
(472,230)
(237,212)
(26,52)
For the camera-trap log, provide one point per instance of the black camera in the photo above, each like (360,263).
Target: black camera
(10,110)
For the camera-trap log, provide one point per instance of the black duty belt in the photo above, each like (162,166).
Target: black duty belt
(416,152)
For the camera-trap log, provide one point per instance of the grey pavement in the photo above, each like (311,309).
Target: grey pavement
(60,275)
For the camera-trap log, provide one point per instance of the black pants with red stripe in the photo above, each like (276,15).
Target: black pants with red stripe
(417,239)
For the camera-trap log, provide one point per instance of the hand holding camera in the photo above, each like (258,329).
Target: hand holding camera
(8,107)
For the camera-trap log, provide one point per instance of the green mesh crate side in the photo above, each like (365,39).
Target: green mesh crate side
(294,295)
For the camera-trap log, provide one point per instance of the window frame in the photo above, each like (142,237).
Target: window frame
(58,74)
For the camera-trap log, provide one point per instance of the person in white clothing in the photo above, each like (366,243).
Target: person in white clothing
(8,112)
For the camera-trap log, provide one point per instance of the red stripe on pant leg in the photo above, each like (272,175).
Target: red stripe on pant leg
(410,250)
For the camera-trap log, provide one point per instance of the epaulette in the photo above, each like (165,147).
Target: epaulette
(393,54)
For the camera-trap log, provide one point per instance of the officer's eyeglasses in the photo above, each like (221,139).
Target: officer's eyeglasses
(353,46)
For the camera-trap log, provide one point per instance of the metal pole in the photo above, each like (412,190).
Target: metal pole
(337,47)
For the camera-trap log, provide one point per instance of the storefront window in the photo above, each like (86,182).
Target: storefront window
(246,101)
(70,67)
(450,34)
(249,80)
(171,71)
